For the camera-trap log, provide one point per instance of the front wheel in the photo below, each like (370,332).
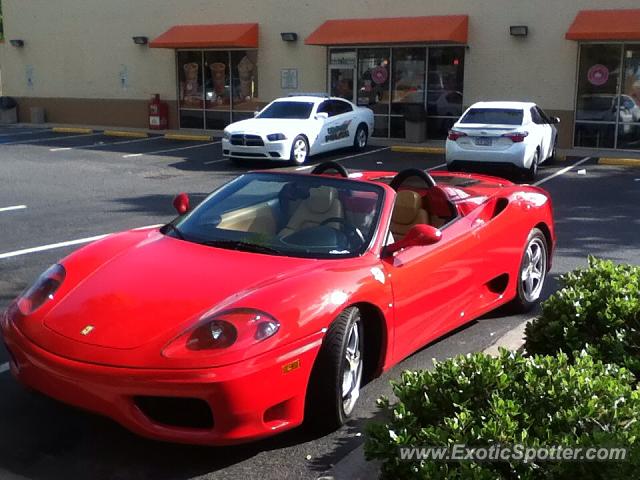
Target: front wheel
(336,378)
(360,139)
(299,150)
(532,272)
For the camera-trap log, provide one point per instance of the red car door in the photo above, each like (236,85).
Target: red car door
(432,286)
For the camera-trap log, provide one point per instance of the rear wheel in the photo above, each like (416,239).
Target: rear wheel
(552,157)
(299,150)
(360,139)
(532,171)
(532,272)
(336,378)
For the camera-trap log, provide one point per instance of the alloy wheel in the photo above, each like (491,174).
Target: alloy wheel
(534,270)
(352,373)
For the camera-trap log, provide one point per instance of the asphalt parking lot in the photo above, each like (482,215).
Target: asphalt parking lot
(58,191)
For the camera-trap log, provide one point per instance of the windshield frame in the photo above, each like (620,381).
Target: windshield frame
(366,247)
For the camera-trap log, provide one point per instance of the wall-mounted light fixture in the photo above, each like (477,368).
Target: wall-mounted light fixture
(140,40)
(17,43)
(289,36)
(519,30)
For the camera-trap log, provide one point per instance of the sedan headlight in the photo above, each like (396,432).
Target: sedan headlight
(42,290)
(274,137)
(232,330)
(226,135)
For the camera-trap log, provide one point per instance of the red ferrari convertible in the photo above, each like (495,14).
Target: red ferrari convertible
(280,294)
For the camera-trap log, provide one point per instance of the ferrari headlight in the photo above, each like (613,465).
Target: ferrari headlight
(274,137)
(226,135)
(235,330)
(42,290)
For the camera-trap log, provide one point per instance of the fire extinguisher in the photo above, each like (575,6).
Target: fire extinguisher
(158,113)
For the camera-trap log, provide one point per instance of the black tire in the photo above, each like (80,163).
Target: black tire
(524,302)
(361,138)
(298,142)
(324,404)
(532,171)
(552,158)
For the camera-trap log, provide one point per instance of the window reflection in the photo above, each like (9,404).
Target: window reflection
(373,79)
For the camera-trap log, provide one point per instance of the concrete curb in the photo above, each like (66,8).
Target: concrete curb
(621,162)
(355,467)
(71,130)
(188,138)
(410,149)
(125,134)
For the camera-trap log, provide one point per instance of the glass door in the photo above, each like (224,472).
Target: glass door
(341,82)
(629,101)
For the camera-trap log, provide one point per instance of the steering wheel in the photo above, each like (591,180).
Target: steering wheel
(399,179)
(327,166)
(349,229)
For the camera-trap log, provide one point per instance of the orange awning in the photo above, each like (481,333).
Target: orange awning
(367,31)
(605,25)
(232,35)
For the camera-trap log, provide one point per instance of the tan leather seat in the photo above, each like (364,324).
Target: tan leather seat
(323,203)
(407,212)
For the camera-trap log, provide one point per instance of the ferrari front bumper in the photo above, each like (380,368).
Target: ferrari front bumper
(243,402)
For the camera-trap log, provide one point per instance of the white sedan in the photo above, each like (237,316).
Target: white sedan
(296,127)
(502,134)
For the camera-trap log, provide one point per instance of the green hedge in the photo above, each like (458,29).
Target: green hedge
(598,309)
(479,400)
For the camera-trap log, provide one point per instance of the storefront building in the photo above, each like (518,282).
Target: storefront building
(417,64)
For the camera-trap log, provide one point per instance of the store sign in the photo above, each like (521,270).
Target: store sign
(343,59)
(598,75)
(289,78)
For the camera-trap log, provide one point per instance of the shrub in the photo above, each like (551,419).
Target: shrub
(598,309)
(539,401)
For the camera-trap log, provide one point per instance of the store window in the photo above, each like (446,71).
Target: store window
(415,86)
(608,105)
(217,87)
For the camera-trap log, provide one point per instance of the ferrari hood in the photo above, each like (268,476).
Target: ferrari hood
(265,126)
(156,285)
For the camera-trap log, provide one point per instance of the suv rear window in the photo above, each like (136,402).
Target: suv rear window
(494,116)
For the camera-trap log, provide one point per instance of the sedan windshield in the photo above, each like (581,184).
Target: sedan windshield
(286,214)
(494,116)
(286,110)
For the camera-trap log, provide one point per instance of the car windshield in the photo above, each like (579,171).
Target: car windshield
(286,214)
(494,116)
(293,110)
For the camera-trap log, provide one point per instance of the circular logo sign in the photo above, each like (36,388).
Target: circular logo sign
(598,75)
(379,75)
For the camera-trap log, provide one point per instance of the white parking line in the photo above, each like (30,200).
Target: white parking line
(59,137)
(4,367)
(103,144)
(53,246)
(562,171)
(14,207)
(437,166)
(216,161)
(169,150)
(307,167)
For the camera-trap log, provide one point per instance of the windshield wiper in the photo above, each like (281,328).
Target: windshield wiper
(172,227)
(243,246)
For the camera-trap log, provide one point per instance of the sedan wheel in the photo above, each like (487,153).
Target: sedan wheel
(530,174)
(533,270)
(360,139)
(299,150)
(336,378)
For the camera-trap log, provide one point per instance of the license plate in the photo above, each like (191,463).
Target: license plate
(484,141)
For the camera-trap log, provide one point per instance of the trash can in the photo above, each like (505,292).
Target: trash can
(415,123)
(8,110)
(37,115)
